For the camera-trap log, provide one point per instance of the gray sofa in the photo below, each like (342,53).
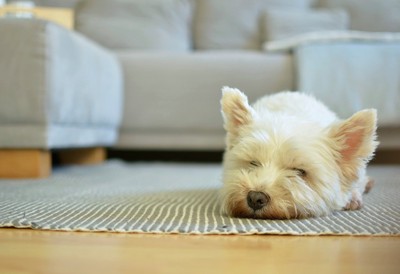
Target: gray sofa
(177,54)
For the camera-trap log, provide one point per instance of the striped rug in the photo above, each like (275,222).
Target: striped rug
(173,198)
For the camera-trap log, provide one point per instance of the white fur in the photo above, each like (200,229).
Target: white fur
(268,143)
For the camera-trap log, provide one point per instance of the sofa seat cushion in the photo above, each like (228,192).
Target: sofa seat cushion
(178,94)
(57,88)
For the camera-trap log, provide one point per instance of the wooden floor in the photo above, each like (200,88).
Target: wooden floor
(30,251)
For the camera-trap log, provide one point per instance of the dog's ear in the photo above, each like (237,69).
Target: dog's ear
(236,111)
(355,142)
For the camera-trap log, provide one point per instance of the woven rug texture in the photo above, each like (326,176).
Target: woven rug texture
(173,198)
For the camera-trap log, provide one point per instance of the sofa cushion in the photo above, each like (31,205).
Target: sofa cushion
(359,76)
(331,37)
(234,24)
(280,24)
(137,24)
(369,15)
(185,96)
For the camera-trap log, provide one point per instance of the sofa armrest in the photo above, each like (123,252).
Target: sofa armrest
(50,76)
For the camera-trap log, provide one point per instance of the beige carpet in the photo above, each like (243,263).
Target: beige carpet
(173,198)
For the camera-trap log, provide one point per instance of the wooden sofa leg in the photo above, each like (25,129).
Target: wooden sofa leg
(25,163)
(83,156)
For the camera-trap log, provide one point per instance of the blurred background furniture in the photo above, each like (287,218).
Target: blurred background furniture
(175,57)
(177,54)
(62,16)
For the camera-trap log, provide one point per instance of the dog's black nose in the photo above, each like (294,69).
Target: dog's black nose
(257,200)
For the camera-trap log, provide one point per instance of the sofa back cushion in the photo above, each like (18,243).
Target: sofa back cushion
(234,24)
(369,15)
(137,24)
(280,24)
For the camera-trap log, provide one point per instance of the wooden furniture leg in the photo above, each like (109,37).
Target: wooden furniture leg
(25,163)
(82,156)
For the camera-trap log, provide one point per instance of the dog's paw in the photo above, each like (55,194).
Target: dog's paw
(356,201)
(369,185)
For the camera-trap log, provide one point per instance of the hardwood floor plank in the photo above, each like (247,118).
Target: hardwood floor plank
(30,251)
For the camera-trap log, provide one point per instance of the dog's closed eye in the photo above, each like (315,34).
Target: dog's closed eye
(300,172)
(255,163)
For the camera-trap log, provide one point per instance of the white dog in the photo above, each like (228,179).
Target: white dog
(289,156)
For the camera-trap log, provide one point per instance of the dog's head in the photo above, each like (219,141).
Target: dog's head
(279,167)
